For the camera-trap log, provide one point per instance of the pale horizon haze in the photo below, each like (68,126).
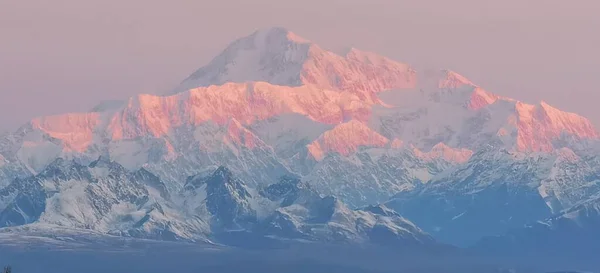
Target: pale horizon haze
(67,55)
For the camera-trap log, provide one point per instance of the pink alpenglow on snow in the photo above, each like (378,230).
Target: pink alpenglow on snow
(245,102)
(76,131)
(540,125)
(280,57)
(274,73)
(346,139)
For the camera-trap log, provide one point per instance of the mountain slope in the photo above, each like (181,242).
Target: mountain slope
(360,127)
(497,191)
(303,213)
(104,197)
(281,57)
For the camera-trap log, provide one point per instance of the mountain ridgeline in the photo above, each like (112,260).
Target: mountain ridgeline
(107,198)
(318,147)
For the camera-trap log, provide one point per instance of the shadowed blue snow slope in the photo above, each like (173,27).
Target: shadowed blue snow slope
(497,191)
(291,209)
(214,206)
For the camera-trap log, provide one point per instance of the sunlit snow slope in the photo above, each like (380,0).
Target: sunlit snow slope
(361,127)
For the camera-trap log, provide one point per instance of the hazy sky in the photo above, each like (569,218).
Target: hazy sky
(67,55)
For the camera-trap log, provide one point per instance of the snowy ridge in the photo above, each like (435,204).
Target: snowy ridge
(105,198)
(180,128)
(500,190)
(280,57)
(360,127)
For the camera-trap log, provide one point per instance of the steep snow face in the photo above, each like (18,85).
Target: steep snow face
(540,125)
(280,57)
(345,139)
(270,55)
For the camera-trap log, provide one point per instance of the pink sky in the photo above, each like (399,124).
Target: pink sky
(67,55)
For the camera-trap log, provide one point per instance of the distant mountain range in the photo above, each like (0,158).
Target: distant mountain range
(212,207)
(315,146)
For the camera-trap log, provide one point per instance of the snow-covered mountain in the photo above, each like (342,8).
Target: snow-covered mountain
(360,127)
(106,198)
(103,197)
(497,191)
(280,57)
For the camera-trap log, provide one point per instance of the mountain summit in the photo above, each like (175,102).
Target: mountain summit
(280,57)
(360,127)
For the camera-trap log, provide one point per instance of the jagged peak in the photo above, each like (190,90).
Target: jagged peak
(559,116)
(481,98)
(64,169)
(540,125)
(274,55)
(443,79)
(561,120)
(223,173)
(220,179)
(451,79)
(101,161)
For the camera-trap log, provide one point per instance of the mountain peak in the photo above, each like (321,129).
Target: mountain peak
(273,33)
(539,125)
(280,57)
(367,57)
(223,173)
